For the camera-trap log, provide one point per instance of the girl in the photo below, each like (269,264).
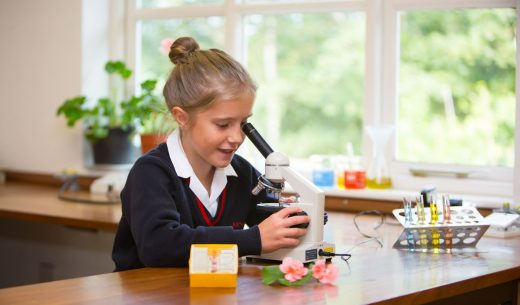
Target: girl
(193,189)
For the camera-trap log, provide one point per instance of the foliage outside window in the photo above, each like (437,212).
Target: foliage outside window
(153,62)
(310,98)
(457,87)
(169,3)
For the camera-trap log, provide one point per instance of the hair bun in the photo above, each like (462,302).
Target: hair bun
(181,49)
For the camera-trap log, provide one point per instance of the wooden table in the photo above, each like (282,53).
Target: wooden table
(32,202)
(374,275)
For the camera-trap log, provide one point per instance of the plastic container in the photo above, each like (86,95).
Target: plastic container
(378,174)
(341,166)
(355,176)
(323,174)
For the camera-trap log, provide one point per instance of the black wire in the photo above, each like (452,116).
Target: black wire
(344,256)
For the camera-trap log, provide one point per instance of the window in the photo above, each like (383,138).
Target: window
(328,69)
(153,62)
(169,3)
(453,74)
(311,83)
(457,72)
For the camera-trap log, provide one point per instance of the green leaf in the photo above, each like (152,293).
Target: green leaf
(73,110)
(125,73)
(271,274)
(148,85)
(96,132)
(118,67)
(114,66)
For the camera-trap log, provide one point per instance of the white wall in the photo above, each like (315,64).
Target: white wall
(50,50)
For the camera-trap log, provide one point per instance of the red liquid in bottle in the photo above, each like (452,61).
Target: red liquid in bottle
(355,179)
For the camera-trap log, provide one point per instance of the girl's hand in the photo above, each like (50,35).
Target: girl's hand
(276,231)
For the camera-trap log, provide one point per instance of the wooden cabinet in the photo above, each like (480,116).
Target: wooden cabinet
(343,204)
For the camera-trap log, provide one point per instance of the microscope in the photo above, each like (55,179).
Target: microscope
(311,201)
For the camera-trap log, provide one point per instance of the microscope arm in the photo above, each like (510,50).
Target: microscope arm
(312,200)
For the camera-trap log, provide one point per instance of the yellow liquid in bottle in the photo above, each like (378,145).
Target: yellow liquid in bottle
(340,180)
(383,183)
(434,213)
(421,218)
(435,238)
(423,238)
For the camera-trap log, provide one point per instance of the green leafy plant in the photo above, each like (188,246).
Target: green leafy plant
(140,113)
(158,119)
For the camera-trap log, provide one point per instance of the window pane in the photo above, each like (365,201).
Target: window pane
(168,3)
(286,1)
(457,87)
(310,96)
(154,61)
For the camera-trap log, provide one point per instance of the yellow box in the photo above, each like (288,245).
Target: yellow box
(213,265)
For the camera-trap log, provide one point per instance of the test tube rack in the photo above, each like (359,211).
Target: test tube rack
(462,231)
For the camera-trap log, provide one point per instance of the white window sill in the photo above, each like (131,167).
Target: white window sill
(479,201)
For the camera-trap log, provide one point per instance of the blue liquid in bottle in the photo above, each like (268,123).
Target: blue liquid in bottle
(323,177)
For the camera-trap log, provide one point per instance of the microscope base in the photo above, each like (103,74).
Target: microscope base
(305,252)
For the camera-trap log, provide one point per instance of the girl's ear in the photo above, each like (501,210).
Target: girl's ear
(180,116)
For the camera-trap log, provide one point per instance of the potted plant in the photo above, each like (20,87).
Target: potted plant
(156,127)
(110,123)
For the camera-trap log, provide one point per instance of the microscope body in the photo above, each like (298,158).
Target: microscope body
(311,201)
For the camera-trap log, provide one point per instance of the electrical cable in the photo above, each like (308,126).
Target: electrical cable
(344,256)
(376,226)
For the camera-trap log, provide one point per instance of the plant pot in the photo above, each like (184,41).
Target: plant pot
(150,141)
(116,148)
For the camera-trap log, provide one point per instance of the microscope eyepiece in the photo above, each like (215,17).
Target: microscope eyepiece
(257,139)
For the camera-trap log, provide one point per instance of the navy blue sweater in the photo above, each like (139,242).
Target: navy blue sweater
(161,217)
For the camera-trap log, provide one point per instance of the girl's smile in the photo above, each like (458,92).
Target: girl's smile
(211,137)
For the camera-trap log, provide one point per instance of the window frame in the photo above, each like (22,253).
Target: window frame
(488,180)
(381,55)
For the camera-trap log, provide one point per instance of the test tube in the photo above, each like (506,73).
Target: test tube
(420,211)
(410,239)
(434,212)
(407,204)
(448,238)
(435,238)
(446,208)
(423,238)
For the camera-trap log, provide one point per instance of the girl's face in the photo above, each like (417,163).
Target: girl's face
(211,137)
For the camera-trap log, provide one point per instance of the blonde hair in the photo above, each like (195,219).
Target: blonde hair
(200,77)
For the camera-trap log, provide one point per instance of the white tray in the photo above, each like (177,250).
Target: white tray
(463,231)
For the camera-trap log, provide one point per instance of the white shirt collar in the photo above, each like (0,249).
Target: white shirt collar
(184,170)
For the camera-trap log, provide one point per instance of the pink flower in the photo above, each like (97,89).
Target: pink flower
(293,269)
(166,43)
(323,273)
(318,270)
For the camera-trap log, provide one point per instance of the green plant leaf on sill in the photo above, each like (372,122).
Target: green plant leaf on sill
(118,67)
(144,112)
